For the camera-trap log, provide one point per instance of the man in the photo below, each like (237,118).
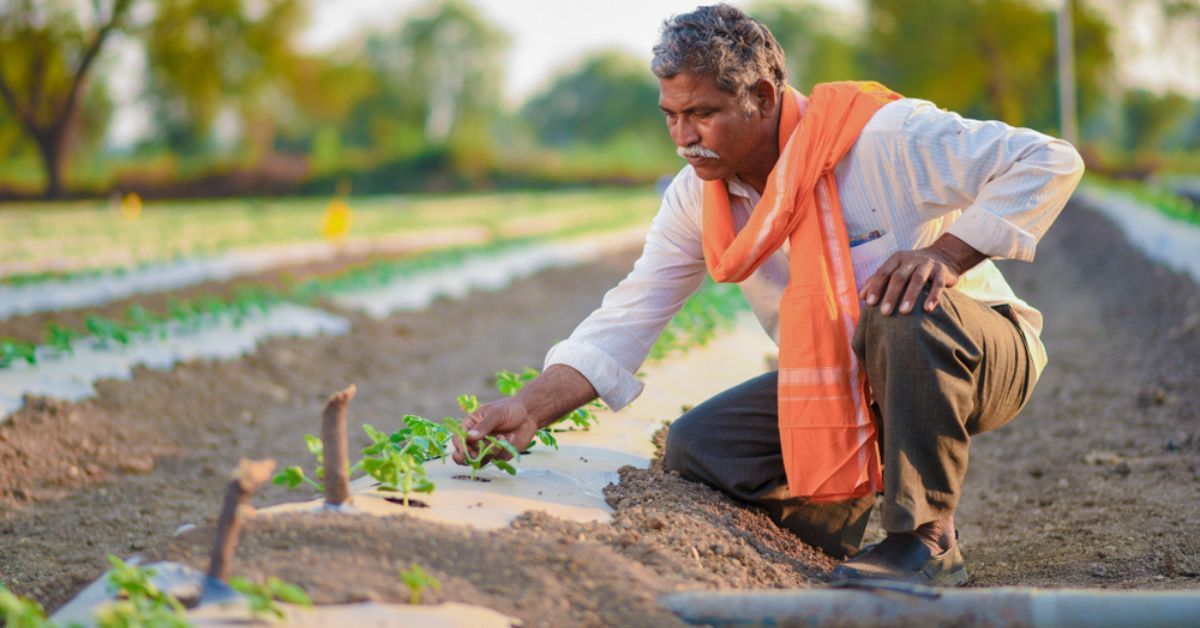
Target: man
(812,204)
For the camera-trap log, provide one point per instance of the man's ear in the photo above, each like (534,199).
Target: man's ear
(765,97)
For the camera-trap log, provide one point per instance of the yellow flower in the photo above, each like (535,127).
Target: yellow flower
(131,206)
(335,224)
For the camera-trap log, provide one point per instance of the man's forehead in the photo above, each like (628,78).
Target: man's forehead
(687,90)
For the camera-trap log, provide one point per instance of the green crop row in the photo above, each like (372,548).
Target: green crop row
(137,321)
(1160,198)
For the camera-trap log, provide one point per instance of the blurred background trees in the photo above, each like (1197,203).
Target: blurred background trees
(231,104)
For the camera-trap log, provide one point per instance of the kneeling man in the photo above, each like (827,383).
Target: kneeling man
(860,226)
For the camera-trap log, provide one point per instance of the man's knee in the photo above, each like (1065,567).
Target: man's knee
(899,330)
(681,442)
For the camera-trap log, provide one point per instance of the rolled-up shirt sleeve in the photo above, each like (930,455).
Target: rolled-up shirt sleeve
(611,344)
(1010,183)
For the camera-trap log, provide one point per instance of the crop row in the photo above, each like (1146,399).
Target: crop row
(1164,200)
(77,237)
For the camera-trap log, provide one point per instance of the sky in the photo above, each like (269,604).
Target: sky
(548,35)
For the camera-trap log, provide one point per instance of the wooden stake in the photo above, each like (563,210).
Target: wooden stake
(337,448)
(249,476)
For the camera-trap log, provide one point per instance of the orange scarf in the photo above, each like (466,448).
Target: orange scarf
(825,426)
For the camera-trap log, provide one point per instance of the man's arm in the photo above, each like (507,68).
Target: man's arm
(1010,182)
(557,391)
(602,355)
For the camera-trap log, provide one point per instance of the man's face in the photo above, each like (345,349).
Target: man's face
(698,113)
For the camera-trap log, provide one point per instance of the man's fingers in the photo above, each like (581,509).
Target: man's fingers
(459,455)
(483,424)
(916,283)
(895,287)
(877,282)
(938,284)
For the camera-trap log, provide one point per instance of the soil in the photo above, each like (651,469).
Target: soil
(1097,484)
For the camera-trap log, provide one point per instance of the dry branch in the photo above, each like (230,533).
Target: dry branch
(249,476)
(336,447)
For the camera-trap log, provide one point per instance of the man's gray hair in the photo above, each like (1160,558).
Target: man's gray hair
(722,42)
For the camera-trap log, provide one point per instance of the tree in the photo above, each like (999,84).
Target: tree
(206,55)
(1148,117)
(984,58)
(605,95)
(47,54)
(818,48)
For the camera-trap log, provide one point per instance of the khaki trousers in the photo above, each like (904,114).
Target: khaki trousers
(937,379)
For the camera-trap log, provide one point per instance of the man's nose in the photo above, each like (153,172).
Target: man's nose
(684,132)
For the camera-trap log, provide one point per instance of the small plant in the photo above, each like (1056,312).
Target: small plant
(417,580)
(142,321)
(59,339)
(20,612)
(397,471)
(262,596)
(487,449)
(397,460)
(139,601)
(294,476)
(13,350)
(106,331)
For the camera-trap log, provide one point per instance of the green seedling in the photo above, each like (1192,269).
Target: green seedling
(419,437)
(400,472)
(487,448)
(106,331)
(262,596)
(417,580)
(60,339)
(20,612)
(142,321)
(13,350)
(294,476)
(509,383)
(182,313)
(139,601)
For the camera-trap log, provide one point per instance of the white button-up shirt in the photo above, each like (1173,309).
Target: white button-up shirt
(914,173)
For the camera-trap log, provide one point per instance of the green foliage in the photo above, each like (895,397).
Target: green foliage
(397,460)
(188,86)
(1148,117)
(417,580)
(487,448)
(59,339)
(396,471)
(262,596)
(715,306)
(987,59)
(817,42)
(294,476)
(139,601)
(20,612)
(1164,200)
(605,95)
(12,350)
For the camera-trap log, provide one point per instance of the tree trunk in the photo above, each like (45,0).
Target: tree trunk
(50,148)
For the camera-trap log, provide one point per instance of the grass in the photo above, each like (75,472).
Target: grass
(1160,198)
(43,240)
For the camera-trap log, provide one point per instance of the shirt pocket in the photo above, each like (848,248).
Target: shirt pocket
(869,256)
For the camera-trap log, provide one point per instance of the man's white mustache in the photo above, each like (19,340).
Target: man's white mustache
(696,150)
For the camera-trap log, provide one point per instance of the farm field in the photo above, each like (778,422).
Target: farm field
(1097,484)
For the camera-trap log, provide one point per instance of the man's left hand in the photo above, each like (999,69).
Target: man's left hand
(901,278)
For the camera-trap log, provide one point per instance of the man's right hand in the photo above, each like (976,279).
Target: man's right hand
(505,418)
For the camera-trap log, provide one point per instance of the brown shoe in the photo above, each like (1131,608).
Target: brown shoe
(904,558)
